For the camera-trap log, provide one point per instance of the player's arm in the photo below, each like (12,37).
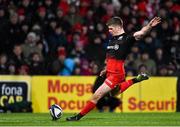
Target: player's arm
(103,72)
(140,34)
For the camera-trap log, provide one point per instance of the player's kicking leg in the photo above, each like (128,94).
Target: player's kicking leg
(141,77)
(126,84)
(100,92)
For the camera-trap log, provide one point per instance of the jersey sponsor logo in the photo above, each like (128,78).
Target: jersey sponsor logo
(115,47)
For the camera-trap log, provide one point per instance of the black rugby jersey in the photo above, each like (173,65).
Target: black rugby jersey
(120,46)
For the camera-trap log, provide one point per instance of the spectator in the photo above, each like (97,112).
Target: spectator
(66,26)
(36,65)
(156,40)
(142,69)
(95,50)
(75,45)
(94,67)
(23,70)
(129,65)
(171,69)
(13,32)
(50,7)
(3,29)
(78,51)
(77,67)
(148,45)
(12,69)
(3,64)
(77,71)
(130,73)
(63,4)
(135,52)
(163,71)
(159,57)
(68,63)
(73,16)
(151,65)
(30,46)
(17,56)
(85,67)
(56,39)
(24,29)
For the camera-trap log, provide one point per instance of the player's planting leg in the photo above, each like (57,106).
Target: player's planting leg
(100,92)
(89,106)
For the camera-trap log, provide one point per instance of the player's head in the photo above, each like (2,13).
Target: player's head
(114,24)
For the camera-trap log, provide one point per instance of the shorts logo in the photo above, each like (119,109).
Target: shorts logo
(108,82)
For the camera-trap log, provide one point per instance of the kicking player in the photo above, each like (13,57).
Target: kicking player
(117,50)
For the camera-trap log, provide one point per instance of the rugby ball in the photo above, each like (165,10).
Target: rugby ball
(55,112)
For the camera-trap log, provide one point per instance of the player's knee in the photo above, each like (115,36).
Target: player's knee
(96,97)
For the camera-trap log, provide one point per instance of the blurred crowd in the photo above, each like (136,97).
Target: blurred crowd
(69,37)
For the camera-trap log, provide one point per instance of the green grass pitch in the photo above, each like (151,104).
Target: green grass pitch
(92,119)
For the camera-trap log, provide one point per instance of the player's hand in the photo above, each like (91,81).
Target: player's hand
(103,72)
(155,21)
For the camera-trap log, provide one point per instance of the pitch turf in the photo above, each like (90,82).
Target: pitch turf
(93,119)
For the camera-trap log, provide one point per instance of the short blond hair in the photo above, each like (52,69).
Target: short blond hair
(115,21)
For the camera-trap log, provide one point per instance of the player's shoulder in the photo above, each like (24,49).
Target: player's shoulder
(126,35)
(129,36)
